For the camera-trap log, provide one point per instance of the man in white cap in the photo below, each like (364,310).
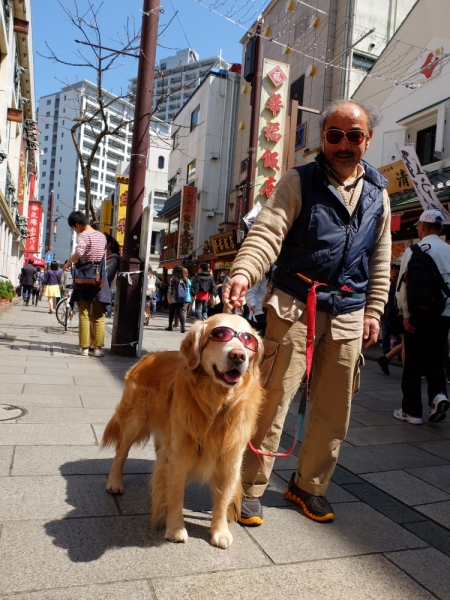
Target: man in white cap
(426,319)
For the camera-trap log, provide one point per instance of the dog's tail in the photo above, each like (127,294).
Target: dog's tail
(111,435)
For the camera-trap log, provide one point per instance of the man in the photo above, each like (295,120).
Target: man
(28,277)
(330,222)
(425,336)
(202,286)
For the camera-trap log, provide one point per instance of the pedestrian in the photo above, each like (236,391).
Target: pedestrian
(391,325)
(188,299)
(150,296)
(51,283)
(423,301)
(329,222)
(112,266)
(90,249)
(176,297)
(27,279)
(202,286)
(389,309)
(38,286)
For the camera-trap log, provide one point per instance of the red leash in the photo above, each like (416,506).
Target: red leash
(311,311)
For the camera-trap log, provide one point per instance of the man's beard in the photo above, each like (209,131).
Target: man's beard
(338,167)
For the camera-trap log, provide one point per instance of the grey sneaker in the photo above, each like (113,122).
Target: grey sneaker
(438,409)
(251,512)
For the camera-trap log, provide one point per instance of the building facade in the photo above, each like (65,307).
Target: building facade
(200,172)
(18,144)
(176,79)
(59,161)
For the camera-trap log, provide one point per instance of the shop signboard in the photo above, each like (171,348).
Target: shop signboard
(107,217)
(397,176)
(187,221)
(420,181)
(224,243)
(121,213)
(271,129)
(34,226)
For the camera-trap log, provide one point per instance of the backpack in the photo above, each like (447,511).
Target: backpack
(426,290)
(181,292)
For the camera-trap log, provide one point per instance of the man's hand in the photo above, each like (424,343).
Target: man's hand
(407,325)
(370,331)
(235,290)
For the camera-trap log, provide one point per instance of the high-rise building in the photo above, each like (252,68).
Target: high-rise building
(176,79)
(59,163)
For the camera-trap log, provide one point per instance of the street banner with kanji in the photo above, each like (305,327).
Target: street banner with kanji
(121,213)
(397,176)
(187,221)
(34,226)
(272,119)
(420,181)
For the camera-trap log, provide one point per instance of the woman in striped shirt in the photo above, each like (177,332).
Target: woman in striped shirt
(90,247)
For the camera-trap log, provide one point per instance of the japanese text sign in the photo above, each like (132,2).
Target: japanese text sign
(420,181)
(34,225)
(397,177)
(187,221)
(224,243)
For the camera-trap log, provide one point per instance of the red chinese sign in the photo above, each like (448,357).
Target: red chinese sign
(34,225)
(277,76)
(187,221)
(268,187)
(270,160)
(275,104)
(272,131)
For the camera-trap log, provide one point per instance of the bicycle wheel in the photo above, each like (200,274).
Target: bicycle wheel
(61,311)
(73,317)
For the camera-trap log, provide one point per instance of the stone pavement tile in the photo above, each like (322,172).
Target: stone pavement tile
(90,365)
(429,567)
(385,434)
(6,453)
(11,359)
(63,377)
(56,369)
(77,460)
(106,380)
(370,418)
(57,497)
(432,533)
(383,503)
(66,415)
(357,529)
(67,552)
(356,408)
(70,399)
(406,487)
(12,388)
(437,476)
(9,369)
(441,448)
(128,590)
(102,401)
(439,512)
(356,578)
(442,429)
(342,476)
(38,389)
(49,434)
(380,404)
(387,457)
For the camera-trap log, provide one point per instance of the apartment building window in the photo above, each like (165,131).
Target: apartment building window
(45,150)
(46,138)
(190,172)
(44,162)
(60,159)
(47,114)
(160,162)
(62,134)
(59,172)
(59,184)
(44,173)
(63,121)
(42,186)
(425,144)
(47,126)
(62,146)
(171,184)
(49,102)
(42,198)
(57,197)
(194,117)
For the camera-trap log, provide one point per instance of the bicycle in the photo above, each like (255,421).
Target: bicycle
(67,317)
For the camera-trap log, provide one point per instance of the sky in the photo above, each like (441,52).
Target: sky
(206,32)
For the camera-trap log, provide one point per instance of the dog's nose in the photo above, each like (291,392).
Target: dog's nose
(237,355)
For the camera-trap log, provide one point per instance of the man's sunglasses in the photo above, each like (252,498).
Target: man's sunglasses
(225,334)
(354,138)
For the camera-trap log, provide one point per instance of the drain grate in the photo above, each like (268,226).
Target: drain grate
(8,412)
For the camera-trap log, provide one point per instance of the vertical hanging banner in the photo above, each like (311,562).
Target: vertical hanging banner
(34,225)
(272,124)
(121,212)
(187,221)
(420,181)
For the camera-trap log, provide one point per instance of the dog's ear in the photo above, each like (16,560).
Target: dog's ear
(191,348)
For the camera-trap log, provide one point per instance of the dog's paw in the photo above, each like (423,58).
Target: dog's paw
(176,535)
(221,539)
(114,486)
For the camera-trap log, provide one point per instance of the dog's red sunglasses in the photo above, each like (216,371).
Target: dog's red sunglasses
(225,334)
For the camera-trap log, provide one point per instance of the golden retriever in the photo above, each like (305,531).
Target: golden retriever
(201,405)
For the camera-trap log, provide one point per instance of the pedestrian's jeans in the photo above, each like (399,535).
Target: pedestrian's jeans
(424,356)
(201,310)
(335,380)
(26,292)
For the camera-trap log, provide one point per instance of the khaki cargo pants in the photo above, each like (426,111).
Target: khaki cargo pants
(335,379)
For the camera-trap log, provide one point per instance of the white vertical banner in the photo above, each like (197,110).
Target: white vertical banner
(420,181)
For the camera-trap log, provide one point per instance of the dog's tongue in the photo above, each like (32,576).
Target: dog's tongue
(232,376)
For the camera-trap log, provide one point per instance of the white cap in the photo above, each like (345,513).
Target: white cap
(431,216)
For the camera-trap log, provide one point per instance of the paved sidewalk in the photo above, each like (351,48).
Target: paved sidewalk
(63,537)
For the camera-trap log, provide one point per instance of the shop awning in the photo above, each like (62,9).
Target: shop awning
(38,262)
(169,264)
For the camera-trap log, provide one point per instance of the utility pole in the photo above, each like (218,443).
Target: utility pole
(255,101)
(128,296)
